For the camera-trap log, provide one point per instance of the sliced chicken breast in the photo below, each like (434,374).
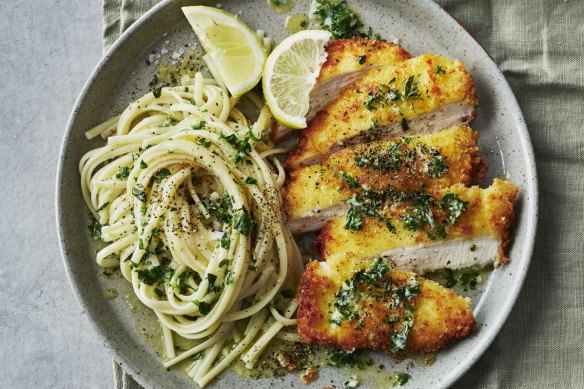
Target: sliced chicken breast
(347,60)
(420,95)
(318,193)
(457,227)
(350,305)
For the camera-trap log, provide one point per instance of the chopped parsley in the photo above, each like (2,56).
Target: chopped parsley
(470,278)
(157,92)
(199,125)
(401,379)
(419,214)
(162,173)
(241,145)
(450,278)
(204,308)
(436,166)
(139,193)
(248,181)
(221,209)
(440,69)
(94,227)
(361,59)
(399,339)
(354,220)
(198,356)
(336,16)
(243,222)
(204,142)
(388,93)
(225,241)
(103,206)
(341,358)
(353,183)
(157,274)
(124,172)
(143,165)
(454,204)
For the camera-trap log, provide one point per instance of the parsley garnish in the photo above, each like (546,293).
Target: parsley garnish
(139,193)
(353,183)
(157,92)
(225,242)
(354,216)
(94,227)
(124,172)
(204,142)
(340,358)
(199,125)
(454,204)
(162,173)
(143,165)
(439,69)
(470,278)
(436,165)
(243,222)
(204,308)
(156,274)
(400,339)
(361,59)
(221,209)
(248,181)
(401,379)
(336,16)
(241,145)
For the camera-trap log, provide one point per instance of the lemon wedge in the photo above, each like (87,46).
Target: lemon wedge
(235,52)
(290,73)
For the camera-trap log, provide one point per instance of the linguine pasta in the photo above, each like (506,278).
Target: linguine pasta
(188,198)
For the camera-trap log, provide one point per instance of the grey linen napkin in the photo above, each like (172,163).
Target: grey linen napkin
(539,46)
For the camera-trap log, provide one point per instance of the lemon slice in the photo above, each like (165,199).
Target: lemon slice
(236,52)
(290,73)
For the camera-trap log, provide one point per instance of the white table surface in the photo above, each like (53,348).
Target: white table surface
(47,51)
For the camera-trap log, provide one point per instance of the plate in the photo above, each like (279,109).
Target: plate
(128,330)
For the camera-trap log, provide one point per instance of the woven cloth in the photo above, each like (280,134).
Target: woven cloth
(539,46)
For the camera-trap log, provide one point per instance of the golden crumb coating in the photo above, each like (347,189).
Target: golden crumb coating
(353,55)
(387,96)
(440,317)
(315,188)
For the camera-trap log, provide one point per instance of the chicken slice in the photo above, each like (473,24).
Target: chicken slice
(347,60)
(456,227)
(350,305)
(420,95)
(318,193)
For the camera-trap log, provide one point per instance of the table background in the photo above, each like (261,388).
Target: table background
(47,52)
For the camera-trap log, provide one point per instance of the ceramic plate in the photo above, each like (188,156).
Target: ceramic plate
(129,331)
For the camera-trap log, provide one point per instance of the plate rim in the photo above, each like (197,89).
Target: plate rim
(531,208)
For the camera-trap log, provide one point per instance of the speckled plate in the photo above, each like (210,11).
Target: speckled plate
(127,329)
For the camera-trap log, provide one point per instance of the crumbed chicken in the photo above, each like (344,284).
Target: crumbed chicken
(456,227)
(350,305)
(346,61)
(318,193)
(420,95)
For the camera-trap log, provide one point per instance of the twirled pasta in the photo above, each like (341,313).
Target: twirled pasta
(188,197)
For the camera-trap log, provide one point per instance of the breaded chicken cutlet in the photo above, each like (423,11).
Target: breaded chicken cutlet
(350,305)
(456,227)
(317,193)
(420,95)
